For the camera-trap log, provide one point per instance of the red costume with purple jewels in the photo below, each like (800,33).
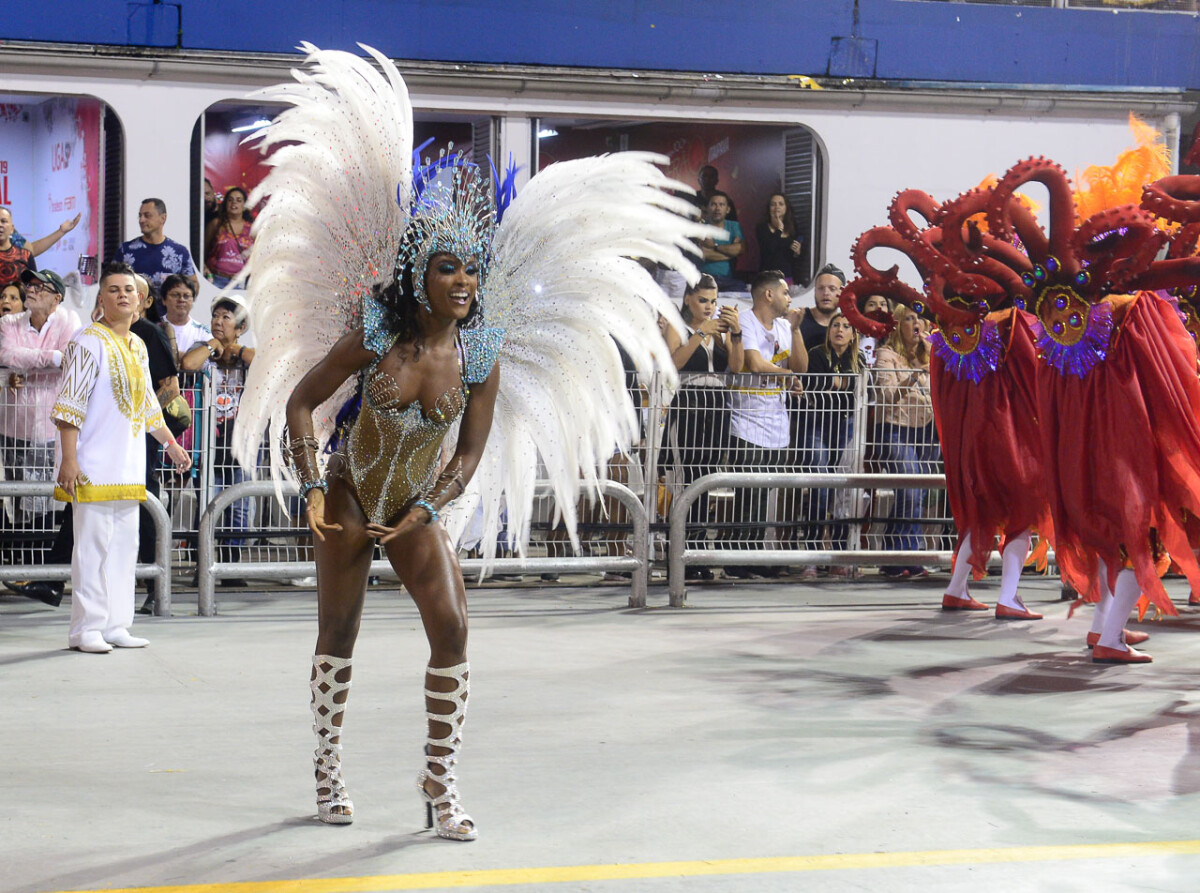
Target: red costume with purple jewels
(991,444)
(1117,388)
(983,373)
(1117,392)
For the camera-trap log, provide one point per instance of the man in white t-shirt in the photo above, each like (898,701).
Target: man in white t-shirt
(774,353)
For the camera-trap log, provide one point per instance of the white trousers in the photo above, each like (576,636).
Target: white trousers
(102,567)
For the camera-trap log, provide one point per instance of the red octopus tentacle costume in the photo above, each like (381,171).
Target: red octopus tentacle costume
(1177,200)
(983,366)
(1118,392)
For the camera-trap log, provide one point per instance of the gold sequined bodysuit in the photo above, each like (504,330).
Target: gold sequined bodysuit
(391,455)
(393,449)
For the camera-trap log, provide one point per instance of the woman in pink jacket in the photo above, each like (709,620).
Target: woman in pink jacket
(31,350)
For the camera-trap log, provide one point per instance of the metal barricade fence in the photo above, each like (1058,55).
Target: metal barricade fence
(814,424)
(871,423)
(159,570)
(685,551)
(28,521)
(212,568)
(256,531)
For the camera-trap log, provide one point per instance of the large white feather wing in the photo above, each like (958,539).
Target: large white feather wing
(328,233)
(564,287)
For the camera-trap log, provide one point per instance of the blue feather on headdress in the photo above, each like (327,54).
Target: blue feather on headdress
(346,417)
(506,189)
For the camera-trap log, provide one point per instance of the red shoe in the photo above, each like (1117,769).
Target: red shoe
(1194,598)
(1102,655)
(1132,637)
(1004,612)
(954,603)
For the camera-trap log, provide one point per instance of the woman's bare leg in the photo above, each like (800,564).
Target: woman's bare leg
(343,564)
(428,567)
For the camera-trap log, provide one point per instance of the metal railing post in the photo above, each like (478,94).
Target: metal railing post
(160,571)
(858,438)
(163,534)
(677,537)
(653,437)
(207,437)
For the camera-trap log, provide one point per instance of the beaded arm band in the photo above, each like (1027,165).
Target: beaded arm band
(303,452)
(448,487)
(425,504)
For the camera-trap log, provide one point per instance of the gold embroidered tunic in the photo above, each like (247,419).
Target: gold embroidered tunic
(106,394)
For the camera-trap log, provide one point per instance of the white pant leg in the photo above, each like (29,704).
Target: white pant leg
(102,567)
(92,525)
(962,570)
(120,565)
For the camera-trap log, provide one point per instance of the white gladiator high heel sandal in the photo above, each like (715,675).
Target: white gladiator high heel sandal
(444,813)
(327,758)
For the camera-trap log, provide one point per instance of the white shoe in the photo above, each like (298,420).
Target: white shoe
(92,643)
(122,639)
(334,807)
(443,812)
(304,582)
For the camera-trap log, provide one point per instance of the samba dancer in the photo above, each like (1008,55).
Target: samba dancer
(407,357)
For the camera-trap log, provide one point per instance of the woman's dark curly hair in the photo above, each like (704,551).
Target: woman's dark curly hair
(400,306)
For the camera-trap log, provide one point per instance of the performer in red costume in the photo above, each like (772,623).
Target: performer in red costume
(1119,399)
(983,370)
(1118,395)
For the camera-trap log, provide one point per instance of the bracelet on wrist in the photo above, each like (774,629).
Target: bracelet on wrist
(736,336)
(319,484)
(428,506)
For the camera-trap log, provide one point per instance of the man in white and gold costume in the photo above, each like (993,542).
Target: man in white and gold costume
(105,405)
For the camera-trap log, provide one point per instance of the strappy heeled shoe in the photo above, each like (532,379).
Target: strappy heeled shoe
(333,806)
(443,812)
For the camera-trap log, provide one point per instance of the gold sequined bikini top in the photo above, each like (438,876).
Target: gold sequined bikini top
(393,449)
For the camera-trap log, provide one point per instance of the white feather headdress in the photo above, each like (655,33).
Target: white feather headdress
(562,284)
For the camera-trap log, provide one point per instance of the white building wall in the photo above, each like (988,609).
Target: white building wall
(870,154)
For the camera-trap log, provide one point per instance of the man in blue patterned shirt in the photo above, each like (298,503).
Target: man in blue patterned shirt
(154,255)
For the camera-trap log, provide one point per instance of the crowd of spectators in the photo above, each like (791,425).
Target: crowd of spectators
(764,388)
(34,331)
(776,389)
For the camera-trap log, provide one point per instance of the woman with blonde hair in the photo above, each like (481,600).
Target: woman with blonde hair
(906,435)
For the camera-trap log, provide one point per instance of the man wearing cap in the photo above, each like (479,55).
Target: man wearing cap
(827,291)
(32,344)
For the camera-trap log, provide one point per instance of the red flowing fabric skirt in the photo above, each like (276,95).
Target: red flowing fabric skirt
(992,449)
(1122,453)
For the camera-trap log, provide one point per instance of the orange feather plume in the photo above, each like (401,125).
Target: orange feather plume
(1102,187)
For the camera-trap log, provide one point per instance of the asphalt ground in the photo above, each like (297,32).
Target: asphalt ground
(772,736)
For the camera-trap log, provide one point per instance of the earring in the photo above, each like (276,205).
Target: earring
(418,284)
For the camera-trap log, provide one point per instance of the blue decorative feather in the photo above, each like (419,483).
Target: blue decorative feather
(346,416)
(506,189)
(424,174)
